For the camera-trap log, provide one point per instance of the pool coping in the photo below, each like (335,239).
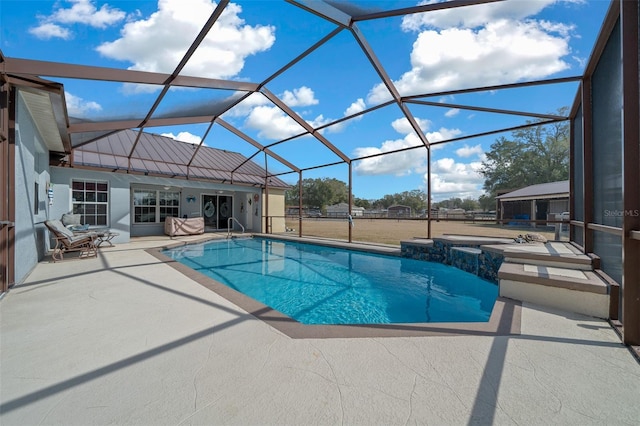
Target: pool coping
(505,319)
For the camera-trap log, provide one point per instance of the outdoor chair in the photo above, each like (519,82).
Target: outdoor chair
(67,241)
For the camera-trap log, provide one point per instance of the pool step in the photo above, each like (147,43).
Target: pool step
(569,289)
(552,254)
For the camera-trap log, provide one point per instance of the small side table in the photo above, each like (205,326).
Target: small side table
(105,237)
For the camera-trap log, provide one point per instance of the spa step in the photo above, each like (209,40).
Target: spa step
(573,290)
(552,254)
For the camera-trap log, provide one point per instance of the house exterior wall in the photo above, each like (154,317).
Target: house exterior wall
(120,200)
(32,167)
(119,214)
(276,210)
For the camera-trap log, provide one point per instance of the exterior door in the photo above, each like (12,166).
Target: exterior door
(225,211)
(210,211)
(216,210)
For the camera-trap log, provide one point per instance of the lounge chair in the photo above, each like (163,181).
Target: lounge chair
(67,241)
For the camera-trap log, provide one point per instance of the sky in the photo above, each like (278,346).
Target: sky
(426,53)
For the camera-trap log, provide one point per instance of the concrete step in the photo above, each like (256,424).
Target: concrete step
(553,254)
(569,289)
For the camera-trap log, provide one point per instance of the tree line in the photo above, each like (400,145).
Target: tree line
(322,192)
(532,155)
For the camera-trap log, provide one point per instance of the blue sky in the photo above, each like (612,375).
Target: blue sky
(504,42)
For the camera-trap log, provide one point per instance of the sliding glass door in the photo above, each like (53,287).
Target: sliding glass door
(216,210)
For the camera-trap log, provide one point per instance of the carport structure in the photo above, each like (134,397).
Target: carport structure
(604,195)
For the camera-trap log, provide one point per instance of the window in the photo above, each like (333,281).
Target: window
(91,201)
(151,206)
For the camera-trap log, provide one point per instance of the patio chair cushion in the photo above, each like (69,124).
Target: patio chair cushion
(70,219)
(61,228)
(67,241)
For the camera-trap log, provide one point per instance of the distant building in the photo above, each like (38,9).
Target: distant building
(342,210)
(539,202)
(399,211)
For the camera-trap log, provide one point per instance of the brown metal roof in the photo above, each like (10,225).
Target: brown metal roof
(541,190)
(161,155)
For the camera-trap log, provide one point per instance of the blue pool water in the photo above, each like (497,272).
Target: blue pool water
(323,285)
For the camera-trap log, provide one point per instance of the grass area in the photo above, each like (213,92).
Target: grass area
(392,231)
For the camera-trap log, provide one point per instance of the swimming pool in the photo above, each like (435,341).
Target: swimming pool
(316,284)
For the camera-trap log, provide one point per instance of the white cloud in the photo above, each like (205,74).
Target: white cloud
(78,107)
(443,134)
(503,51)
(84,12)
(452,112)
(272,123)
(557,27)
(451,179)
(48,30)
(184,137)
(405,162)
(580,60)
(81,12)
(492,43)
(355,107)
(471,17)
(157,43)
(398,164)
(402,125)
(245,107)
(469,151)
(299,97)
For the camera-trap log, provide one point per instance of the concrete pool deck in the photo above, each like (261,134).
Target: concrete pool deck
(127,339)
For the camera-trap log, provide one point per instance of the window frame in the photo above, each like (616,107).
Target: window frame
(97,205)
(159,209)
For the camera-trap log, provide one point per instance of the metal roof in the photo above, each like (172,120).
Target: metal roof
(542,190)
(160,155)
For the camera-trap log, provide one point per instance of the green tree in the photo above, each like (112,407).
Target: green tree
(451,203)
(416,199)
(318,193)
(469,204)
(533,155)
(361,202)
(487,203)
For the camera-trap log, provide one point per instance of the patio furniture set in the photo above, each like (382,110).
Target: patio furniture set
(86,241)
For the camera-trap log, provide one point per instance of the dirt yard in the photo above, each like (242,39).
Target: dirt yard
(392,231)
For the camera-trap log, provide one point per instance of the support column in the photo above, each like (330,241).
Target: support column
(587,164)
(429,192)
(266,197)
(629,15)
(350,201)
(7,186)
(300,203)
